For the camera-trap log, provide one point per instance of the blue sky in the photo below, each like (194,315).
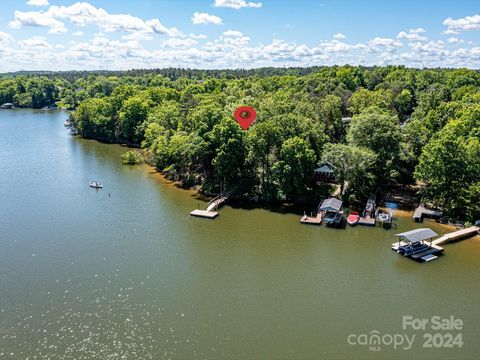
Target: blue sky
(121,34)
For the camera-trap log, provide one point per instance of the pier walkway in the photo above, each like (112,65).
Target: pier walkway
(457,235)
(216,203)
(312,220)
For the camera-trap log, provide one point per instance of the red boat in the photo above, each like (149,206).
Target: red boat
(353,218)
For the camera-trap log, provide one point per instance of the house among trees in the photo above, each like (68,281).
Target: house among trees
(325,172)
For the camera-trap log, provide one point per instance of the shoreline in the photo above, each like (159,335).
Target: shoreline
(292,209)
(403,196)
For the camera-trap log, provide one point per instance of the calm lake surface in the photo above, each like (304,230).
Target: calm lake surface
(85,275)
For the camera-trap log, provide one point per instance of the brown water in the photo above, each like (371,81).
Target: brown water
(86,275)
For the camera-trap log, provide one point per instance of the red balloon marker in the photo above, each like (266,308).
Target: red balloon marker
(245,116)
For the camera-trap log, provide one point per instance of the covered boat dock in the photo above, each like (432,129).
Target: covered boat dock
(413,244)
(332,209)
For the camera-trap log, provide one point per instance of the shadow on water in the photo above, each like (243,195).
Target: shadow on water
(278,208)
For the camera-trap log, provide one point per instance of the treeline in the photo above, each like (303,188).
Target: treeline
(173,73)
(36,89)
(406,126)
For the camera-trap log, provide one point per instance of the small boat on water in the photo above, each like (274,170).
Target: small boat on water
(353,218)
(384,217)
(413,248)
(333,218)
(96,184)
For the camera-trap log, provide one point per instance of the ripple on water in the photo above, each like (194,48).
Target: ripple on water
(105,325)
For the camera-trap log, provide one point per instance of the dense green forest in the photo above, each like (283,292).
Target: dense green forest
(406,126)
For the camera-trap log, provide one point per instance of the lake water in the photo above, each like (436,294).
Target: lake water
(85,274)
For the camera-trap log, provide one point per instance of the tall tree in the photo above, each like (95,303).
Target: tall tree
(379,132)
(295,167)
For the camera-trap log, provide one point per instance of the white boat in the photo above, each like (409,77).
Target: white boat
(384,217)
(96,184)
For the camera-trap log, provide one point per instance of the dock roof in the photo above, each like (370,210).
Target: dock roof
(331,204)
(418,235)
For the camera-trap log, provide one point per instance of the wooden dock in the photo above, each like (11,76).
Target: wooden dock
(422,212)
(457,235)
(368,217)
(312,220)
(204,214)
(210,212)
(368,221)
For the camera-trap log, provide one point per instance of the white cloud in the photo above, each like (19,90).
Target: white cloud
(204,18)
(454,40)
(417,31)
(5,38)
(382,44)
(413,35)
(335,46)
(38,2)
(450,32)
(137,36)
(233,33)
(83,13)
(236,4)
(385,42)
(432,50)
(178,43)
(102,50)
(37,19)
(339,36)
(35,42)
(198,36)
(78,33)
(457,25)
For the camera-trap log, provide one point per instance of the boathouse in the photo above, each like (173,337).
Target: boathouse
(7,106)
(332,209)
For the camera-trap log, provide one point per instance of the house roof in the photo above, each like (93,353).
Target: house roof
(7,104)
(418,235)
(325,168)
(331,204)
